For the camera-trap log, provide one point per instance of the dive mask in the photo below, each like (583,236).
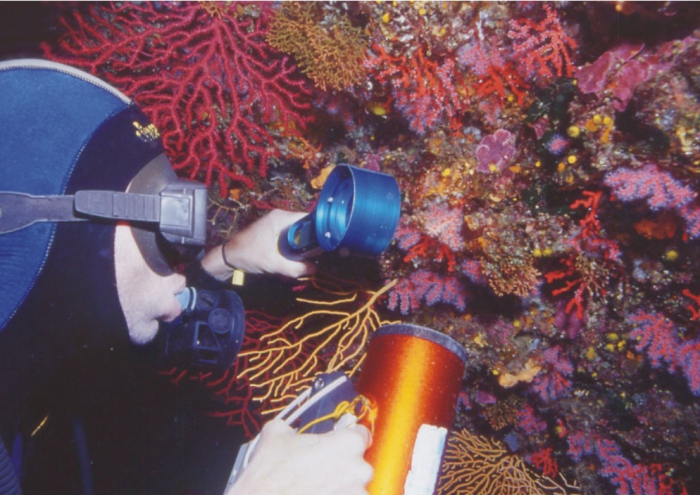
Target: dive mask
(167,214)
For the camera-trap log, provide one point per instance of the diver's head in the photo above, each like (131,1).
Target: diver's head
(77,157)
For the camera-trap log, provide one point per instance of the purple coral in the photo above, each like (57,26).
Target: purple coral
(495,151)
(407,237)
(592,77)
(689,360)
(478,57)
(622,69)
(444,224)
(659,338)
(629,478)
(556,382)
(658,188)
(661,192)
(429,287)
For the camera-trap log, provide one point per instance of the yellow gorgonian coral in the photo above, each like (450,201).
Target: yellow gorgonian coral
(475,465)
(331,54)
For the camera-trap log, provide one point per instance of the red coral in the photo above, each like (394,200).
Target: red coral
(495,75)
(571,280)
(418,245)
(543,48)
(206,78)
(425,91)
(695,312)
(232,394)
(496,81)
(590,239)
(543,461)
(629,478)
(588,242)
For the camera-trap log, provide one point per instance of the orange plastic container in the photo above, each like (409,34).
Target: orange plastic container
(412,377)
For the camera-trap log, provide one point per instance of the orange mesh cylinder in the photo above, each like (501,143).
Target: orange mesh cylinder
(411,376)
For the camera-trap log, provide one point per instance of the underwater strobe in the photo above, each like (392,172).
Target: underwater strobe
(357,213)
(411,377)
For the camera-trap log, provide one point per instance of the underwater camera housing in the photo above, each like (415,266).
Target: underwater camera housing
(406,394)
(357,213)
(210,331)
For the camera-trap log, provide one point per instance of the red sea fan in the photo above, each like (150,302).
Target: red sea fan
(202,72)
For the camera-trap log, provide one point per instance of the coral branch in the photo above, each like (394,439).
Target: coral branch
(557,380)
(428,287)
(659,189)
(658,336)
(208,82)
(330,53)
(629,478)
(335,334)
(477,465)
(543,48)
(427,93)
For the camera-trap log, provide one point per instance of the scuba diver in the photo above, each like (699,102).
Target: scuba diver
(95,228)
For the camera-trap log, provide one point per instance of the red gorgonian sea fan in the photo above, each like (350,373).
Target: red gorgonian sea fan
(201,71)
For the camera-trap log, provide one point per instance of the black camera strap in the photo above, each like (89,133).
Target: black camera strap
(18,210)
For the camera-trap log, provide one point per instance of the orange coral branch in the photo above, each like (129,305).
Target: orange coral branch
(285,361)
(476,465)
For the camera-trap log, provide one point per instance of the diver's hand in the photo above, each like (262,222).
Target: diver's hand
(254,249)
(287,463)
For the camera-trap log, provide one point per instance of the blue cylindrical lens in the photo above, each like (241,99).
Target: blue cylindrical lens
(357,210)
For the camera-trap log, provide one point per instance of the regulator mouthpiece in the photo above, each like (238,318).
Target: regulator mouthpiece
(357,212)
(210,331)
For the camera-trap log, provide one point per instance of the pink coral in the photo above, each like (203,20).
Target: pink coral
(592,78)
(425,91)
(202,73)
(445,225)
(472,269)
(478,57)
(529,422)
(428,287)
(659,338)
(543,48)
(629,478)
(660,190)
(496,151)
(623,68)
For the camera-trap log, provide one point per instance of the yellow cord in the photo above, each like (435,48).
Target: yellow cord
(344,407)
(40,426)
